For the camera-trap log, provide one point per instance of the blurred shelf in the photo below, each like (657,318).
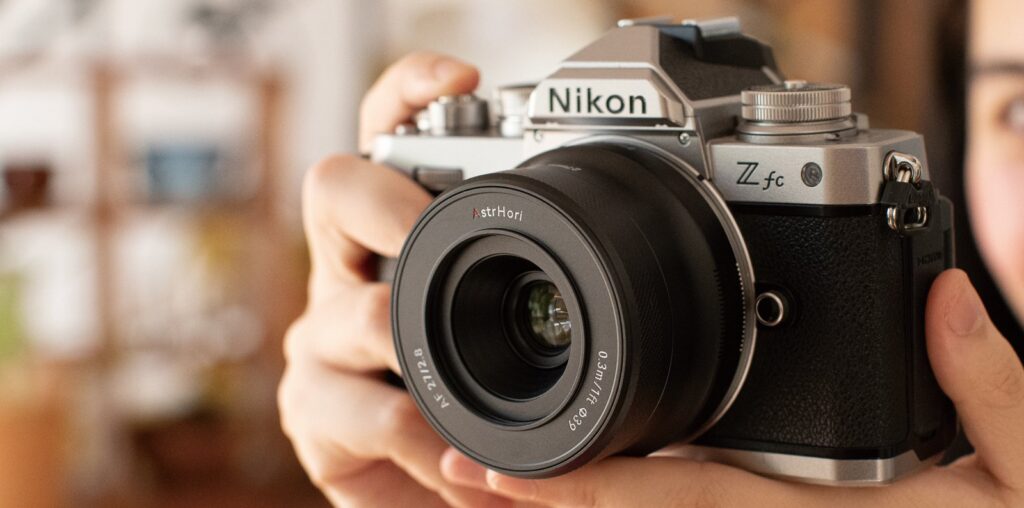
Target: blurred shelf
(272,282)
(226,494)
(235,67)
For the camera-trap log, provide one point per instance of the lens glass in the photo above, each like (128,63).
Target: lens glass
(548,316)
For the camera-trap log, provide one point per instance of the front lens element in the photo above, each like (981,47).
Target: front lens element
(548,317)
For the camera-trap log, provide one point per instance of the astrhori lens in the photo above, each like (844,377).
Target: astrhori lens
(589,325)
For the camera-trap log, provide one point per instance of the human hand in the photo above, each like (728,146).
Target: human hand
(976,367)
(362,441)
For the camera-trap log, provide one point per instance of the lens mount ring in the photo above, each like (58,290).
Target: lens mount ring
(744,265)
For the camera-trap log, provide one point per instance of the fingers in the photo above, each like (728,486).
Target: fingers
(343,424)
(352,207)
(651,481)
(979,371)
(665,481)
(407,86)
(382,484)
(350,330)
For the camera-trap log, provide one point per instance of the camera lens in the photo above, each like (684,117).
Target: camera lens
(547,316)
(491,300)
(596,300)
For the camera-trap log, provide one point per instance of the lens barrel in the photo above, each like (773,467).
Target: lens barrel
(595,300)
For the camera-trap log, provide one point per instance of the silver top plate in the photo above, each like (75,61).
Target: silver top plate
(849,171)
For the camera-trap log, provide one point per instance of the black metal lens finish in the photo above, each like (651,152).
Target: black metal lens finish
(548,317)
(492,328)
(585,304)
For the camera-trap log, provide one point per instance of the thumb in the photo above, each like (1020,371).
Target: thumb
(980,372)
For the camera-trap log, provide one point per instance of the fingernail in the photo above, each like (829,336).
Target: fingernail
(459,469)
(965,315)
(517,487)
(445,68)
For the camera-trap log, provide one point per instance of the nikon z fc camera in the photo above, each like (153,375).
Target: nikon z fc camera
(665,243)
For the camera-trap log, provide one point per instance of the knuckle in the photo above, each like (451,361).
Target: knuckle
(360,503)
(399,415)
(1006,388)
(324,176)
(375,310)
(320,473)
(327,467)
(413,61)
(394,76)
(351,485)
(293,343)
(286,405)
(321,173)
(327,473)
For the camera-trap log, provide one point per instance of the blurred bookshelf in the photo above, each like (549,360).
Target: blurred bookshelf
(191,278)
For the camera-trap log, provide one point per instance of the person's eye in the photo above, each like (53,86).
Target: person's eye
(1012,116)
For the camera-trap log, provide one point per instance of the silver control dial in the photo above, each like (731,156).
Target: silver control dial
(795,102)
(454,114)
(512,102)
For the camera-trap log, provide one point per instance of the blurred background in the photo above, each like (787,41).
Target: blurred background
(151,154)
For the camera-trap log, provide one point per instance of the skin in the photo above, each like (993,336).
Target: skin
(361,440)
(995,159)
(364,443)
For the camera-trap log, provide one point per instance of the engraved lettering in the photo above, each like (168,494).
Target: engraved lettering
(632,104)
(929,258)
(615,104)
(772,179)
(562,102)
(428,379)
(496,212)
(747,177)
(592,102)
(582,101)
(748,171)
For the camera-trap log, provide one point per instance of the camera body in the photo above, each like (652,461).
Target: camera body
(745,265)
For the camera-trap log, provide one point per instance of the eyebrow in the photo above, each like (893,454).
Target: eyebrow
(997,67)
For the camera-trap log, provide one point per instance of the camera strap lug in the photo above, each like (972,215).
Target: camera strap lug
(906,196)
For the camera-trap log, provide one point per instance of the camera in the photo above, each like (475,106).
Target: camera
(666,243)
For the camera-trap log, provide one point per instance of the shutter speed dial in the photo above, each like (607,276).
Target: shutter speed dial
(454,115)
(796,102)
(795,108)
